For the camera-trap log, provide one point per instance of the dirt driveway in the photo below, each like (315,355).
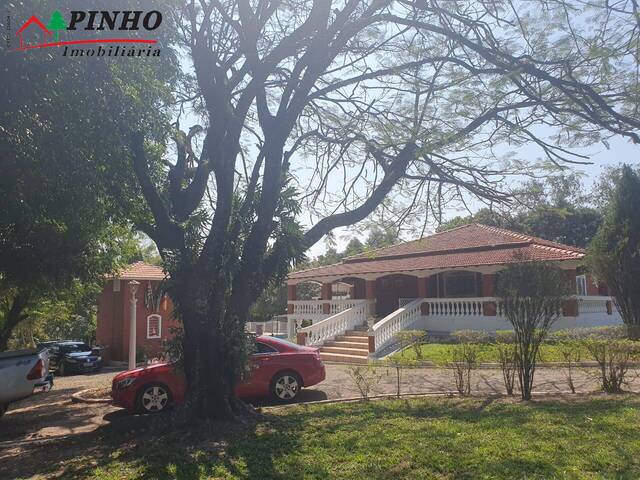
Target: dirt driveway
(45,429)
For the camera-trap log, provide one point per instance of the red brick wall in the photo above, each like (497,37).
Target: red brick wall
(113,321)
(592,288)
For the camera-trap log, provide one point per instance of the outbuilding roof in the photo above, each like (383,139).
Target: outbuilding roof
(465,246)
(141,271)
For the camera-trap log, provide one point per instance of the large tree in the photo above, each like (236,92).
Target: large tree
(614,254)
(336,109)
(64,194)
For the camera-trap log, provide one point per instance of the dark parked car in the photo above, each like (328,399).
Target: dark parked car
(74,357)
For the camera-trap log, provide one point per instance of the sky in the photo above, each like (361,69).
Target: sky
(620,151)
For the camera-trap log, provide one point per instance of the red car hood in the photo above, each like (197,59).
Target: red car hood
(141,370)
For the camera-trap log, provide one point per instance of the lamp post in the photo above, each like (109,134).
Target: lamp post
(133,286)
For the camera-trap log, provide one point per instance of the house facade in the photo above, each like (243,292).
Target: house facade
(153,313)
(441,283)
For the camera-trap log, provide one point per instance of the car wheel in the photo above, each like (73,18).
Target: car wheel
(286,386)
(61,369)
(153,398)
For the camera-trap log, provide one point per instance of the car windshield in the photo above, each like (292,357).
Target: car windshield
(286,343)
(75,347)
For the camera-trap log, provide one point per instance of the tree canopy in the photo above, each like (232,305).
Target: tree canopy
(67,198)
(556,208)
(332,110)
(614,256)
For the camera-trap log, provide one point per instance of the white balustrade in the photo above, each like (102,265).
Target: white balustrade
(339,305)
(307,307)
(313,310)
(336,324)
(385,330)
(456,306)
(592,304)
(275,326)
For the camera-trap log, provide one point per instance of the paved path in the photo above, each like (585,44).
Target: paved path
(46,422)
(53,414)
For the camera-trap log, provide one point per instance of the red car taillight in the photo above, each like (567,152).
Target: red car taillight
(37,371)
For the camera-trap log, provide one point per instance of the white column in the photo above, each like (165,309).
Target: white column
(133,285)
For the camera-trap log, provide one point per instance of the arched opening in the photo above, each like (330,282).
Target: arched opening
(391,288)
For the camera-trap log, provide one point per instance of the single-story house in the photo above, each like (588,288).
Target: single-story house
(153,313)
(440,283)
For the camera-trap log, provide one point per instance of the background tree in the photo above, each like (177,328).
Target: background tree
(614,254)
(66,198)
(556,208)
(339,109)
(532,294)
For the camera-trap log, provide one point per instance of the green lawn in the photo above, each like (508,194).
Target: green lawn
(440,353)
(474,439)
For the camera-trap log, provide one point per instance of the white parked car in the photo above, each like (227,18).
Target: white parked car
(22,373)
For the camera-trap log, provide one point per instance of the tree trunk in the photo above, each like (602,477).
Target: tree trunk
(214,348)
(13,317)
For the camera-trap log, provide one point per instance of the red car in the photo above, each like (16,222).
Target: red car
(278,368)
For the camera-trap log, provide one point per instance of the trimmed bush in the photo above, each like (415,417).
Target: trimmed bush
(614,358)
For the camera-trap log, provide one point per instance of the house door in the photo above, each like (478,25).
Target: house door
(390,289)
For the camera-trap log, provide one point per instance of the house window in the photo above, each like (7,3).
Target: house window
(581,285)
(154,326)
(460,284)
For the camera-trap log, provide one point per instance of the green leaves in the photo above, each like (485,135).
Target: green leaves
(614,254)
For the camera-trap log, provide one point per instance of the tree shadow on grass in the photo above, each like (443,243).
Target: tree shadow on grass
(438,436)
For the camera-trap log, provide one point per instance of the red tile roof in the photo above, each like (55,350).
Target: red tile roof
(466,246)
(141,271)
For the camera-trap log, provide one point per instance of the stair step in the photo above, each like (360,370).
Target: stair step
(363,352)
(353,338)
(338,343)
(356,333)
(361,328)
(342,358)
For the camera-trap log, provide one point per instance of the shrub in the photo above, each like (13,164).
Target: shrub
(532,294)
(398,363)
(477,337)
(413,338)
(614,359)
(612,332)
(571,353)
(364,377)
(505,345)
(464,358)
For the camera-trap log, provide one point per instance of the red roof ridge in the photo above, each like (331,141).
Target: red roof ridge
(573,253)
(36,20)
(533,239)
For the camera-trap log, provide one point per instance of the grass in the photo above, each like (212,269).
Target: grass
(594,438)
(440,353)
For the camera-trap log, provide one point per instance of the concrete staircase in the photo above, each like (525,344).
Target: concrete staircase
(352,347)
